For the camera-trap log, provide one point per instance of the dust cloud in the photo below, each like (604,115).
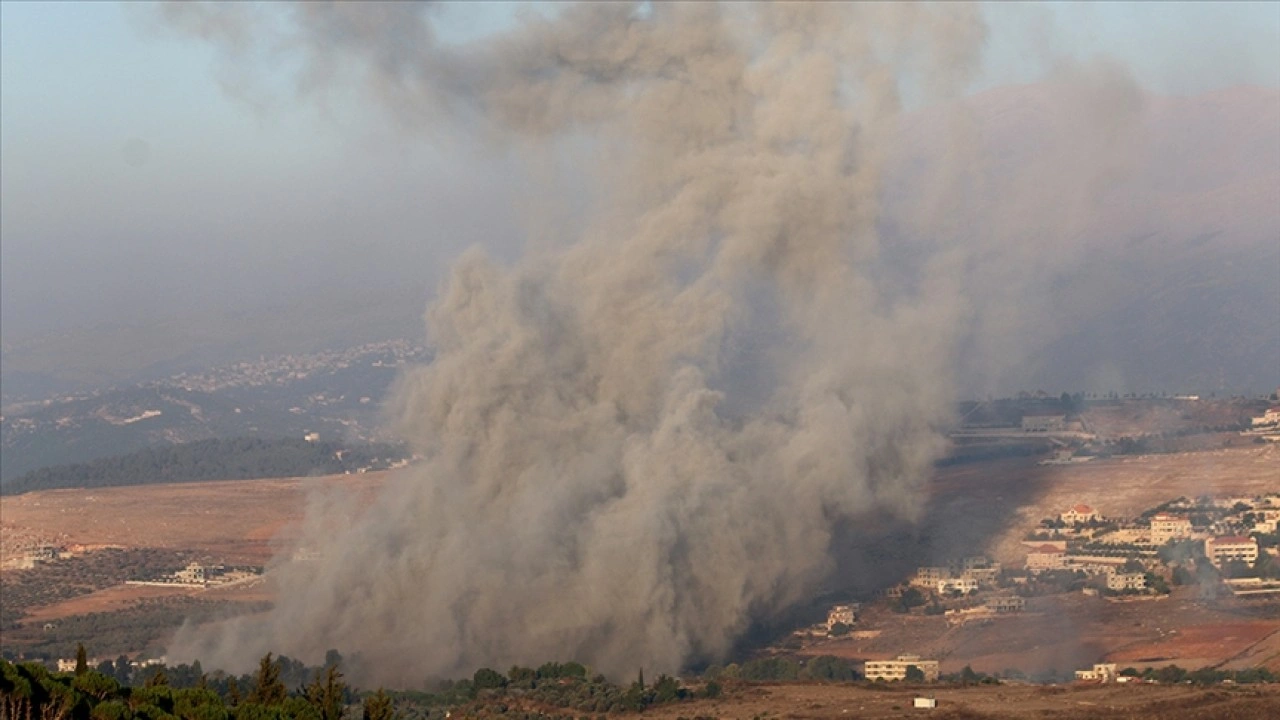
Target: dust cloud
(638,439)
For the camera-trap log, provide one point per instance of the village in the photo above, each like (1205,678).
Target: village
(1222,545)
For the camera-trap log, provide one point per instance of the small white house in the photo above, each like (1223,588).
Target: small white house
(923,702)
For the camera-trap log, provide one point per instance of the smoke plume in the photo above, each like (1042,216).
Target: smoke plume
(637,439)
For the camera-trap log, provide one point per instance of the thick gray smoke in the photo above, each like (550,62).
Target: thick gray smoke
(638,439)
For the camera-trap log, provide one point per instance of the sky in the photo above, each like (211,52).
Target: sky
(133,186)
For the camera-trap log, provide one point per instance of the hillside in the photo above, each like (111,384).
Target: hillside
(216,459)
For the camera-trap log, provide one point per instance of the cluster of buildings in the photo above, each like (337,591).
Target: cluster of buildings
(197,575)
(970,575)
(1081,539)
(285,369)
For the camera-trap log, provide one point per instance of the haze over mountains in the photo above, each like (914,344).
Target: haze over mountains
(1173,287)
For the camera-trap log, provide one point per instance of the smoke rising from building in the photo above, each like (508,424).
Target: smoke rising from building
(638,439)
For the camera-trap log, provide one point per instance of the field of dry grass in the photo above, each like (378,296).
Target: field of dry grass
(232,522)
(991,702)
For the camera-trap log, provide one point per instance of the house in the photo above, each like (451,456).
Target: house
(192,574)
(1119,581)
(1224,549)
(1046,557)
(897,669)
(924,702)
(66,665)
(1100,672)
(841,615)
(1079,514)
(312,437)
(1166,527)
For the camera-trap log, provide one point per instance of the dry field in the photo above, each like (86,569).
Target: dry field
(231,522)
(1060,633)
(993,702)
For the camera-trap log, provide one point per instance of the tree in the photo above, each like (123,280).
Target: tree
(915,674)
(326,695)
(378,706)
(268,689)
(158,679)
(828,667)
(666,689)
(82,660)
(486,678)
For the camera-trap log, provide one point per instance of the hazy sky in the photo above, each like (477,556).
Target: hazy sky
(133,186)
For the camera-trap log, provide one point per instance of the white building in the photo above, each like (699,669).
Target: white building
(1166,527)
(1221,550)
(964,585)
(1100,672)
(897,669)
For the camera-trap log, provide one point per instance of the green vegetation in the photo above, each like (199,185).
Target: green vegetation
(1204,676)
(119,691)
(219,459)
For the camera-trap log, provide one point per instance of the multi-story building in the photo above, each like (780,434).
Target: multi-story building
(1166,527)
(929,577)
(1224,549)
(1046,557)
(897,669)
(1119,581)
(982,574)
(841,615)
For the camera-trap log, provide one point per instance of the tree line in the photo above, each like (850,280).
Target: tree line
(239,458)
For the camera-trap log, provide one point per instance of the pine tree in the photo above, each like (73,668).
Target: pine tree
(378,706)
(160,679)
(82,660)
(326,696)
(268,689)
